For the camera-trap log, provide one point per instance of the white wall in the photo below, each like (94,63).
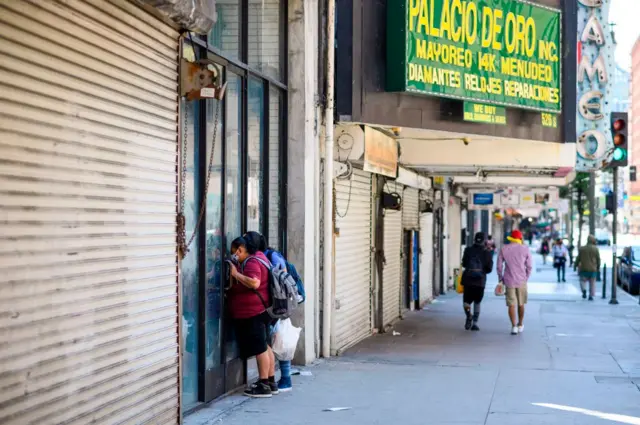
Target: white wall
(446,241)
(454,242)
(303,195)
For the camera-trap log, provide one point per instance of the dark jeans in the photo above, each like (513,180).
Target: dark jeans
(561,269)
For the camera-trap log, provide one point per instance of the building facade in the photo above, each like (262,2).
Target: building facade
(109,161)
(392,96)
(104,148)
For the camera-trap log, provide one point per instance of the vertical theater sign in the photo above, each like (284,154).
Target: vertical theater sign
(595,58)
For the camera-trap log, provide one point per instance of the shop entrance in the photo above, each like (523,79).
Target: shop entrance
(407,274)
(238,146)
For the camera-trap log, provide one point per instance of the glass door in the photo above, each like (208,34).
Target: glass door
(214,276)
(233,215)
(190,265)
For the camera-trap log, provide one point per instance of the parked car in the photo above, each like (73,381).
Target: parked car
(603,237)
(629,269)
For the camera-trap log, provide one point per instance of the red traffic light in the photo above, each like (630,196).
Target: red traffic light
(619,125)
(618,139)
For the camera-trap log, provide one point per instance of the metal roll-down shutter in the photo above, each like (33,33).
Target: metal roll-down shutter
(426,258)
(88,273)
(392,267)
(353,257)
(410,208)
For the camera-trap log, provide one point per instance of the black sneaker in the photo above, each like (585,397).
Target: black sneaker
(467,323)
(590,298)
(258,390)
(475,327)
(273,386)
(584,293)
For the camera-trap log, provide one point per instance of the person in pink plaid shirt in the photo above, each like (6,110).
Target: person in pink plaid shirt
(514,269)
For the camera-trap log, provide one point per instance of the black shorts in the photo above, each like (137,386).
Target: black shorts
(473,294)
(253,334)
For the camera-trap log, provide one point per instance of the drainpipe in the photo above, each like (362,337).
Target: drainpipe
(327,284)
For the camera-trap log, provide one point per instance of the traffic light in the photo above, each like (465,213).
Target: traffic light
(632,173)
(619,131)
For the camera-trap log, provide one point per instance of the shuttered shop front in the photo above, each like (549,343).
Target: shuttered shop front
(88,279)
(410,207)
(353,261)
(426,257)
(392,267)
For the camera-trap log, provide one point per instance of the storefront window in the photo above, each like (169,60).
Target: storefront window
(225,35)
(275,135)
(265,36)
(190,264)
(213,247)
(255,141)
(233,175)
(246,46)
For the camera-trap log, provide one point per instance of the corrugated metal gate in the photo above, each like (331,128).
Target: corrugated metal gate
(392,268)
(410,208)
(353,256)
(426,258)
(88,273)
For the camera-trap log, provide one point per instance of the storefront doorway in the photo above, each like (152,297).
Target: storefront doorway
(247,133)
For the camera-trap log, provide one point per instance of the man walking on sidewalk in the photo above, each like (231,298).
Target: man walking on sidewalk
(560,255)
(588,265)
(477,262)
(514,269)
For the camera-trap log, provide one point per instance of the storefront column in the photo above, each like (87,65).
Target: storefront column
(303,166)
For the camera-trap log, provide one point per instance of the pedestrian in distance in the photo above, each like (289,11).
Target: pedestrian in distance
(491,244)
(571,248)
(477,262)
(588,265)
(544,249)
(514,269)
(560,254)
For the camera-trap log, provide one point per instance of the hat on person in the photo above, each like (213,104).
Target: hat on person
(516,235)
(479,238)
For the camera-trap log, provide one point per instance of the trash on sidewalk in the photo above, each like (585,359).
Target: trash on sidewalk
(396,333)
(296,371)
(335,409)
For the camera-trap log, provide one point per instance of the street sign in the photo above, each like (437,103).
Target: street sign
(489,114)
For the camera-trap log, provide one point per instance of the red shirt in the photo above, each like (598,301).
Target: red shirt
(244,302)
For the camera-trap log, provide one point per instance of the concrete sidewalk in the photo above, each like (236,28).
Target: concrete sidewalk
(577,362)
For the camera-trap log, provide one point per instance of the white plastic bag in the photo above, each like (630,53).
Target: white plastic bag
(285,339)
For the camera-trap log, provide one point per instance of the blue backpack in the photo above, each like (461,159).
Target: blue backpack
(293,272)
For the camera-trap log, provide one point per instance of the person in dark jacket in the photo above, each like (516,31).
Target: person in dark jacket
(477,262)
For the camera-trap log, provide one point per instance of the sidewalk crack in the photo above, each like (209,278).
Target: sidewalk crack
(616,361)
(493,393)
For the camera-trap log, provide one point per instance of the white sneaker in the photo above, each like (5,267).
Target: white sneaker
(514,330)
(520,329)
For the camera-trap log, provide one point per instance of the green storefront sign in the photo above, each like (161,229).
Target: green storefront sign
(500,52)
